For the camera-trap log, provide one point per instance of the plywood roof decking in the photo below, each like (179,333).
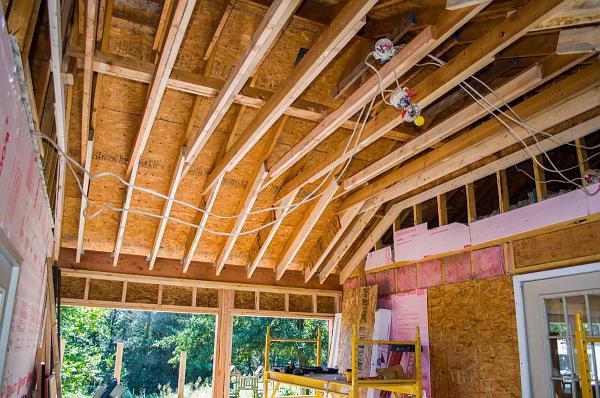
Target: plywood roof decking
(121,102)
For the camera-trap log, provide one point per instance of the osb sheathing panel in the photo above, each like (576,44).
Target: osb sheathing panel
(119,109)
(272,301)
(325,304)
(244,300)
(207,298)
(71,287)
(105,290)
(177,295)
(358,306)
(300,303)
(578,241)
(473,341)
(142,293)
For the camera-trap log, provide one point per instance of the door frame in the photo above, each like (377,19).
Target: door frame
(518,281)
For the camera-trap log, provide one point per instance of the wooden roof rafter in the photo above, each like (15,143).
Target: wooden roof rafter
(346,24)
(263,39)
(168,54)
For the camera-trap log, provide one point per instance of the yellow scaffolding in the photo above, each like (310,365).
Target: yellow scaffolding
(332,385)
(582,341)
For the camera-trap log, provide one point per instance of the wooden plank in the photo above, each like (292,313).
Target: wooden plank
(471,203)
(570,87)
(84,202)
(458,4)
(88,74)
(344,245)
(168,55)
(442,209)
(118,361)
(255,257)
(540,179)
(263,39)
(467,179)
(310,217)
(323,252)
(181,374)
(208,204)
(502,186)
(162,24)
(250,195)
(426,41)
(418,214)
(582,157)
(578,40)
(330,43)
(405,59)
(514,88)
(225,13)
(223,341)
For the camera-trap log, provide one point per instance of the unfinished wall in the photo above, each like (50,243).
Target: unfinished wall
(25,225)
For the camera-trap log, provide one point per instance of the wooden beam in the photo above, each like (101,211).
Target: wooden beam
(250,195)
(540,179)
(225,13)
(206,86)
(207,205)
(165,14)
(223,341)
(467,179)
(310,217)
(442,209)
(84,202)
(344,245)
(502,186)
(418,214)
(181,375)
(257,255)
(118,362)
(167,57)
(330,43)
(263,39)
(471,203)
(514,88)
(578,40)
(530,108)
(582,157)
(333,234)
(458,4)
(406,58)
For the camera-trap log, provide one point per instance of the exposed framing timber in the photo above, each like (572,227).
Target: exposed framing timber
(331,42)
(355,229)
(91,19)
(442,209)
(250,195)
(225,13)
(502,186)
(256,257)
(570,134)
(167,57)
(310,217)
(490,131)
(323,252)
(471,203)
(540,179)
(263,39)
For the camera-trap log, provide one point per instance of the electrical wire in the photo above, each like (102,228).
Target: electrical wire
(466,86)
(72,164)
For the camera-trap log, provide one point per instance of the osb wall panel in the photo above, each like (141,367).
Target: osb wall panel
(244,300)
(272,301)
(142,293)
(71,287)
(358,306)
(473,339)
(207,298)
(570,243)
(105,290)
(300,303)
(325,304)
(177,295)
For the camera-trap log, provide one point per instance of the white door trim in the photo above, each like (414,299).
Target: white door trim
(518,281)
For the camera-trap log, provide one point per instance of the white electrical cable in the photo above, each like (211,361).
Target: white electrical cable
(311,196)
(465,86)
